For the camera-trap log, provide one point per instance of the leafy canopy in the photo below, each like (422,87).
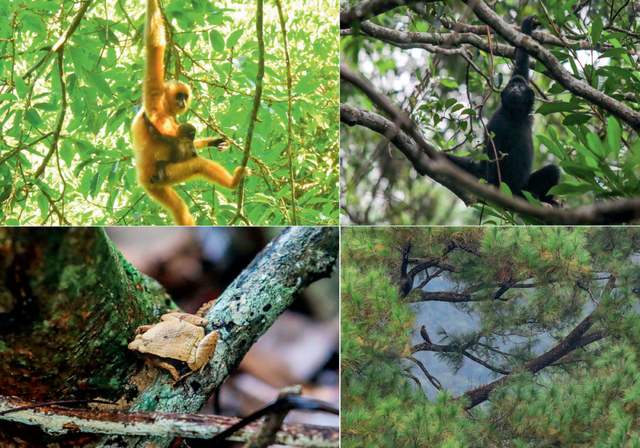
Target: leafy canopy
(89,177)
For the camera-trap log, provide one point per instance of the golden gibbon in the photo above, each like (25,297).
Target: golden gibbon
(162,102)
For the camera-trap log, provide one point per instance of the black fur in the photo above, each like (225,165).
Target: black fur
(512,125)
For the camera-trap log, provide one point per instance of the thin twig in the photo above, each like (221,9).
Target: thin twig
(254,113)
(289,115)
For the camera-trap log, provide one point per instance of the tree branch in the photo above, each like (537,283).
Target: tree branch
(446,296)
(61,420)
(352,116)
(572,342)
(431,347)
(563,77)
(427,160)
(75,22)
(409,39)
(432,379)
(254,113)
(53,147)
(368,9)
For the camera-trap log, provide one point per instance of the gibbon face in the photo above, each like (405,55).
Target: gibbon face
(177,97)
(187,130)
(518,97)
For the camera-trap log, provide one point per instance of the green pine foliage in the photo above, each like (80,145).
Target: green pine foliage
(554,335)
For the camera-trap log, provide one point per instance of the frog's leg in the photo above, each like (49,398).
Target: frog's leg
(142,329)
(174,315)
(172,370)
(204,351)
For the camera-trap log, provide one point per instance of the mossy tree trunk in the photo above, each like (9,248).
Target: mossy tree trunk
(69,304)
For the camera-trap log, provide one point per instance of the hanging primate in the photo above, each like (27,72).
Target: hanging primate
(162,102)
(512,125)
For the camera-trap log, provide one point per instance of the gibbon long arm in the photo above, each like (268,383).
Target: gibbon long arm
(154,86)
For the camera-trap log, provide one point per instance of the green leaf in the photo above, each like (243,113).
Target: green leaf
(614,135)
(631,164)
(556,88)
(449,83)
(78,58)
(574,67)
(613,36)
(614,52)
(21,87)
(551,146)
(577,169)
(619,72)
(596,145)
(576,119)
(33,117)
(93,185)
(571,188)
(596,29)
(112,197)
(43,205)
(308,88)
(530,198)
(304,81)
(233,39)
(217,41)
(83,188)
(100,83)
(48,107)
(67,152)
(498,80)
(90,112)
(592,158)
(548,108)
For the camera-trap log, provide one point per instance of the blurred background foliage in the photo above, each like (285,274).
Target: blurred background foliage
(442,91)
(88,176)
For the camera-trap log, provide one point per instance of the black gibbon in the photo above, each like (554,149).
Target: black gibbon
(512,125)
(162,102)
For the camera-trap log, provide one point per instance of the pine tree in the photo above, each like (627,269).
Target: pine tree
(473,337)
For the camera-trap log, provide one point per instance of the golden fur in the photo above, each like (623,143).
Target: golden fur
(162,102)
